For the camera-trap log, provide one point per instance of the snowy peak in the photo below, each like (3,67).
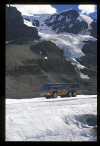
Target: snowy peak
(65,16)
(61,20)
(69,21)
(37,19)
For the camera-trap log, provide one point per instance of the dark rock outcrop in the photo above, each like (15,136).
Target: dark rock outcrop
(93,30)
(90,47)
(55,61)
(15,28)
(36,23)
(90,59)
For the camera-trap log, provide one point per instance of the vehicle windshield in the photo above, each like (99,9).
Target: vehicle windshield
(45,87)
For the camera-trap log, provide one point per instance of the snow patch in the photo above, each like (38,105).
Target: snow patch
(70,25)
(85,18)
(67,20)
(88,19)
(79,18)
(84,76)
(40,52)
(28,23)
(7,42)
(45,57)
(60,17)
(40,17)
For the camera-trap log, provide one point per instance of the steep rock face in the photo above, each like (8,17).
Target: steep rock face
(36,23)
(90,59)
(15,28)
(67,22)
(90,47)
(93,31)
(55,61)
(45,48)
(62,18)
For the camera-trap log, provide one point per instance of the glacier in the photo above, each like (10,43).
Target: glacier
(71,44)
(60,119)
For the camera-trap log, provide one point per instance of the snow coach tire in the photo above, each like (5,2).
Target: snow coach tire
(48,97)
(74,94)
(62,96)
(69,94)
(54,95)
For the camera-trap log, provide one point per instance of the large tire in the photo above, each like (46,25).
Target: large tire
(62,96)
(48,97)
(74,94)
(69,94)
(54,95)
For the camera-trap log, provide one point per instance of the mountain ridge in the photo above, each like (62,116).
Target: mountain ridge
(47,56)
(15,28)
(67,21)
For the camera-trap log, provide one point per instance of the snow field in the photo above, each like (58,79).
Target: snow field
(61,119)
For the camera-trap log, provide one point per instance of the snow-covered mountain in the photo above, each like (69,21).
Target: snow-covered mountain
(69,30)
(67,21)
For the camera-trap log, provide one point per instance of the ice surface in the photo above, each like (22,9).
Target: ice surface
(61,119)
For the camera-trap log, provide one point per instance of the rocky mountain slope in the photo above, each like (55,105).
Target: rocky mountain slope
(15,28)
(54,58)
(27,69)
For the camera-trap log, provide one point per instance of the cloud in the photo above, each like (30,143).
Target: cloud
(87,9)
(35,9)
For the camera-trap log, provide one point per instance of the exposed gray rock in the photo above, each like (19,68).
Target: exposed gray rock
(15,28)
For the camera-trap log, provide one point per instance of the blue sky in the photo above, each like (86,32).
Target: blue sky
(90,10)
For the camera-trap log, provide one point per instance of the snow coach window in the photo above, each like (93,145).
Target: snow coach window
(66,86)
(73,86)
(53,86)
(58,86)
(70,86)
(63,86)
(76,86)
(47,87)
